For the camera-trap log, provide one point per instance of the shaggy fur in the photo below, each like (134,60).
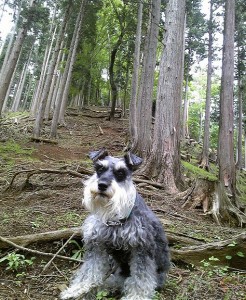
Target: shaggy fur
(120,233)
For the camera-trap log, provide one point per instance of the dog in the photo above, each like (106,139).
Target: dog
(121,233)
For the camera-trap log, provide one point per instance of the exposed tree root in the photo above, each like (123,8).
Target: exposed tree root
(80,174)
(42,171)
(211,196)
(222,250)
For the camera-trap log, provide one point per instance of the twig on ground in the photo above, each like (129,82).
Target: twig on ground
(36,251)
(55,255)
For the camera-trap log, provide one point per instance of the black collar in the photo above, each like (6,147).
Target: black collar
(120,222)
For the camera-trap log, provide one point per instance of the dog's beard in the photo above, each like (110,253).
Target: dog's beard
(114,204)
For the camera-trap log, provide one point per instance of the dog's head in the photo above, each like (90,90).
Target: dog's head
(110,192)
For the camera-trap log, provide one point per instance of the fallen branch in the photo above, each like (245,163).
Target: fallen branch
(49,236)
(55,255)
(7,241)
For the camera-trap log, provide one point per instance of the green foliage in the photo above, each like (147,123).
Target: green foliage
(196,172)
(195,118)
(77,253)
(211,268)
(103,295)
(16,261)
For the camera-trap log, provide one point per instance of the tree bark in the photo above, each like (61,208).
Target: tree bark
(226,205)
(67,75)
(114,90)
(204,162)
(142,143)
(222,249)
(135,75)
(239,163)
(45,92)
(227,172)
(8,71)
(163,163)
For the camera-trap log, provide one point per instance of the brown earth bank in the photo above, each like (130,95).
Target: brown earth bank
(52,201)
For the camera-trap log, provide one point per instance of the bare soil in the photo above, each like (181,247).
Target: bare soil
(53,201)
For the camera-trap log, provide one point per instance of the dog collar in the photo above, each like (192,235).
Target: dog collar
(116,223)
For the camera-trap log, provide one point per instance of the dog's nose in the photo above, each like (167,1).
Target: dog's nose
(102,186)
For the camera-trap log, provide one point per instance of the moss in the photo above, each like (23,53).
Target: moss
(193,171)
(10,151)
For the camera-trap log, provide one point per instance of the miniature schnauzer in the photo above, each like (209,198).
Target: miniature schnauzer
(121,233)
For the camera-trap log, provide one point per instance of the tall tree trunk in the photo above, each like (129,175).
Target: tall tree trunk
(185,128)
(66,77)
(227,174)
(40,115)
(54,84)
(239,163)
(135,74)
(163,162)
(72,61)
(114,90)
(204,162)
(229,209)
(41,81)
(13,58)
(10,67)
(142,144)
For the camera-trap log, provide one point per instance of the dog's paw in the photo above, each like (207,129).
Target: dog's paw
(72,292)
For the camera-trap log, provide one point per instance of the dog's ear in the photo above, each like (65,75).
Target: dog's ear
(100,154)
(132,161)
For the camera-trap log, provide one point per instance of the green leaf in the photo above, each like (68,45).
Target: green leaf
(213,258)
(228,257)
(240,254)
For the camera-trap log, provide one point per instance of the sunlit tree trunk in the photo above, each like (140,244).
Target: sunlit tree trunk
(163,163)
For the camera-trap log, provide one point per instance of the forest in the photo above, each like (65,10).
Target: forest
(163,79)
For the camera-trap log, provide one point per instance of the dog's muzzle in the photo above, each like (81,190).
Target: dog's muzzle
(103,184)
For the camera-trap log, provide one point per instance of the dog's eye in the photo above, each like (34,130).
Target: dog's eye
(120,174)
(100,169)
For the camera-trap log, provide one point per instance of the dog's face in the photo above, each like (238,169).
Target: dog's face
(110,192)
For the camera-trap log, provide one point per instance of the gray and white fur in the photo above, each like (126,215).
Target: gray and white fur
(121,231)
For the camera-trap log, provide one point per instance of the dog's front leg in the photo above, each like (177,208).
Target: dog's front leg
(91,274)
(143,279)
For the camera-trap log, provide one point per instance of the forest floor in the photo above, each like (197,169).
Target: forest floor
(53,201)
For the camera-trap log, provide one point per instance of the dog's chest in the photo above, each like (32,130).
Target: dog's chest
(116,237)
